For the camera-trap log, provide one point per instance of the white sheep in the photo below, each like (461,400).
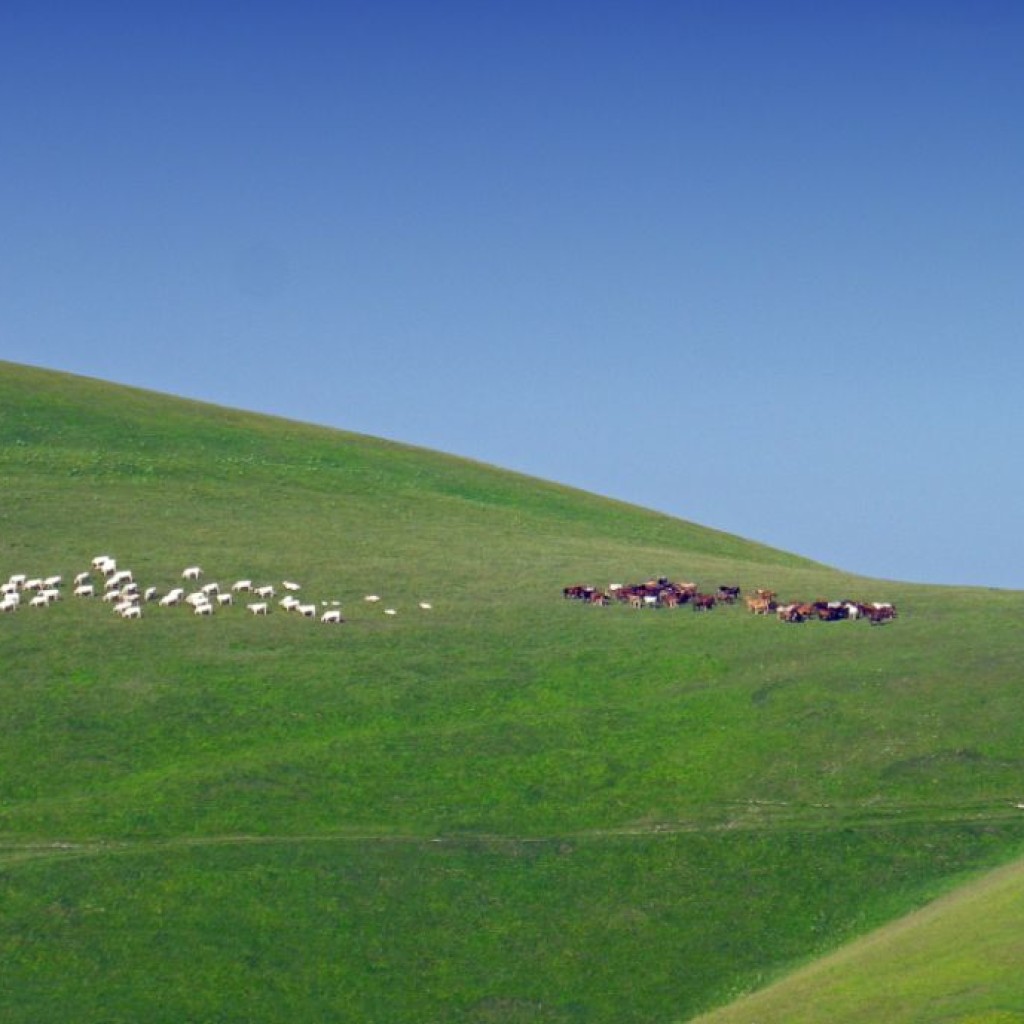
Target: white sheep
(372,598)
(289,602)
(333,615)
(171,599)
(193,572)
(289,585)
(8,604)
(267,591)
(225,599)
(306,610)
(133,611)
(203,609)
(238,585)
(259,608)
(84,590)
(82,577)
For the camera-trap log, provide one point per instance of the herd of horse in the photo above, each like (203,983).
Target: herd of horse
(664,593)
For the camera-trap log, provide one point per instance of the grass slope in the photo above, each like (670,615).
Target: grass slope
(511,808)
(957,960)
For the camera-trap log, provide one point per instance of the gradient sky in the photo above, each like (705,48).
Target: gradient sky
(754,264)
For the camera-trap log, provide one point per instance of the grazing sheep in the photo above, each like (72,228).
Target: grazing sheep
(132,612)
(306,610)
(372,598)
(289,603)
(426,605)
(202,609)
(39,601)
(390,611)
(267,591)
(289,585)
(333,615)
(82,577)
(225,599)
(171,599)
(238,585)
(150,594)
(259,608)
(8,604)
(193,572)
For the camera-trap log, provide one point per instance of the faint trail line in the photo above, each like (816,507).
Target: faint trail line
(753,817)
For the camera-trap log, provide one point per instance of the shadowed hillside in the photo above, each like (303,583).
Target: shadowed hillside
(505,807)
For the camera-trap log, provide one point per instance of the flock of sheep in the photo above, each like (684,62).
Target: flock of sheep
(119,588)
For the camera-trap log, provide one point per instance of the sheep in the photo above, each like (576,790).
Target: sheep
(289,602)
(150,594)
(18,581)
(306,610)
(52,582)
(112,595)
(132,612)
(204,608)
(39,601)
(172,598)
(259,608)
(210,588)
(50,593)
(81,578)
(193,572)
(197,597)
(238,585)
(8,604)
(332,615)
(8,588)
(225,599)
(289,585)
(100,561)
(267,591)
(390,611)
(426,605)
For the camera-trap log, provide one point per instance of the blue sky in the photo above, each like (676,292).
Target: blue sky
(758,265)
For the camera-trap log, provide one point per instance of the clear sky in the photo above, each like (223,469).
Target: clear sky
(755,264)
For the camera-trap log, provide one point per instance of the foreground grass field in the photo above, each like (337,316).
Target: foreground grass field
(959,959)
(508,808)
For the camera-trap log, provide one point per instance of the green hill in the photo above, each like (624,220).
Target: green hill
(507,808)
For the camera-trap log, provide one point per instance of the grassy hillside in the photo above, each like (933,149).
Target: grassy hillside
(959,959)
(508,808)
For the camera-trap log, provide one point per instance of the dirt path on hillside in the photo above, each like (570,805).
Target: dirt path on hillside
(751,817)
